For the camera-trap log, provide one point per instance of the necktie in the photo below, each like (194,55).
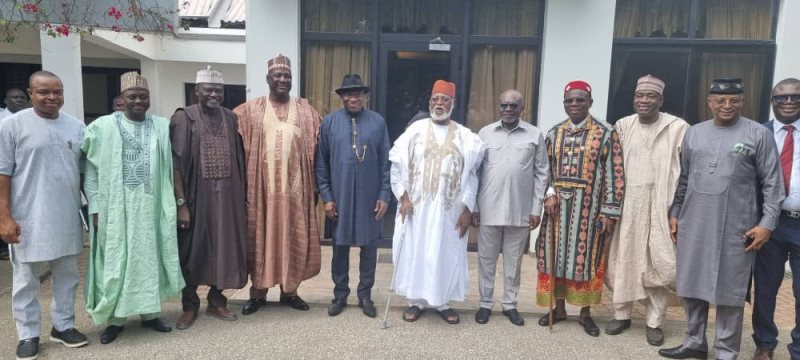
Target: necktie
(786,156)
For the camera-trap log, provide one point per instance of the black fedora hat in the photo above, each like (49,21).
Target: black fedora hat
(352,82)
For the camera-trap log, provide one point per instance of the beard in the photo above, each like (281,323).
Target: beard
(442,117)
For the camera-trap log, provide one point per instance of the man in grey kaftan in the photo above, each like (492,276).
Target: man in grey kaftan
(353,179)
(728,165)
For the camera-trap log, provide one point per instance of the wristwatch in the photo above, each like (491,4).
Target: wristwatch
(180,202)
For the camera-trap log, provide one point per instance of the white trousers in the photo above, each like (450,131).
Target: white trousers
(656,307)
(25,294)
(422,304)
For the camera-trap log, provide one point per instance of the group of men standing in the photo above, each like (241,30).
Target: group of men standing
(212,196)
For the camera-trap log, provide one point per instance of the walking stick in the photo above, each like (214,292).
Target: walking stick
(384,322)
(552,280)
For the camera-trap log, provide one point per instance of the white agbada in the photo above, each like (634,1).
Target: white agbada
(437,165)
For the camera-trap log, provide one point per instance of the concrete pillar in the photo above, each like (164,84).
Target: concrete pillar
(151,70)
(62,56)
(577,44)
(273,27)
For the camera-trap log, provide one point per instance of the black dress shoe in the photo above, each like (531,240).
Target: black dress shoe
(295,302)
(253,305)
(545,319)
(514,317)
(681,352)
(368,308)
(336,308)
(482,316)
(589,327)
(157,324)
(110,334)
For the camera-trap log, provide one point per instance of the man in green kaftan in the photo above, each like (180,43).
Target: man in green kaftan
(133,262)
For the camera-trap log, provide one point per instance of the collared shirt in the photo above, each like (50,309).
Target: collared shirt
(513,175)
(792,200)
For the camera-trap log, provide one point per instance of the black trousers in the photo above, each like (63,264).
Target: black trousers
(191,301)
(340,267)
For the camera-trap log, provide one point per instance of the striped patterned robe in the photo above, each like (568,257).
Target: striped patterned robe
(282,230)
(587,174)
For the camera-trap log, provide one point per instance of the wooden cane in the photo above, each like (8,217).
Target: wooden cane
(552,280)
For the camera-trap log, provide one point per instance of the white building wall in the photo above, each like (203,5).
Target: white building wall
(273,27)
(167,78)
(62,56)
(577,42)
(787,38)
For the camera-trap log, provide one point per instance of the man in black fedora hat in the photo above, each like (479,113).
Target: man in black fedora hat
(353,179)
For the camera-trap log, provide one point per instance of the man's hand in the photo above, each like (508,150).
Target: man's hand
(607,224)
(673,229)
(9,230)
(406,208)
(534,222)
(551,205)
(184,217)
(380,209)
(463,222)
(330,211)
(760,237)
(476,219)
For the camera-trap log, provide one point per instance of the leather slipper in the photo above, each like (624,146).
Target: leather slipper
(449,316)
(413,313)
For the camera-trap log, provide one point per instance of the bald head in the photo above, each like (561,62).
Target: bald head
(42,74)
(785,100)
(15,100)
(510,108)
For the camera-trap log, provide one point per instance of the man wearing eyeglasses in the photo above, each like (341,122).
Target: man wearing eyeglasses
(513,182)
(353,179)
(726,205)
(785,241)
(641,257)
(581,209)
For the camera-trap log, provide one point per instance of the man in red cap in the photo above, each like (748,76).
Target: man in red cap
(581,209)
(434,176)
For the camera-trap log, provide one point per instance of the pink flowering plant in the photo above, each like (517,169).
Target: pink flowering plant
(82,17)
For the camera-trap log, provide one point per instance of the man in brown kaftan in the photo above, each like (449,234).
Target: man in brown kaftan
(209,178)
(280,139)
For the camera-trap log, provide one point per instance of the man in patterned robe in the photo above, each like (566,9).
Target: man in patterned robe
(581,209)
(133,263)
(280,135)
(209,173)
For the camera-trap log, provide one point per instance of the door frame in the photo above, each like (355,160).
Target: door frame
(415,45)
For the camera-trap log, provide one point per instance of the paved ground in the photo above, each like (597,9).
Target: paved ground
(280,332)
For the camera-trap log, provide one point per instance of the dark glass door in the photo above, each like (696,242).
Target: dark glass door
(407,74)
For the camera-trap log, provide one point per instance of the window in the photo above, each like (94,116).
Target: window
(326,65)
(400,47)
(688,43)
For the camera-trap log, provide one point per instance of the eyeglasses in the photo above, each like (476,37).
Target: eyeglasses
(510,106)
(442,99)
(731,101)
(783,99)
(576,101)
(358,96)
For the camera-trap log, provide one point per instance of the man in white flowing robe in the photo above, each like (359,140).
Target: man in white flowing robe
(434,176)
(641,262)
